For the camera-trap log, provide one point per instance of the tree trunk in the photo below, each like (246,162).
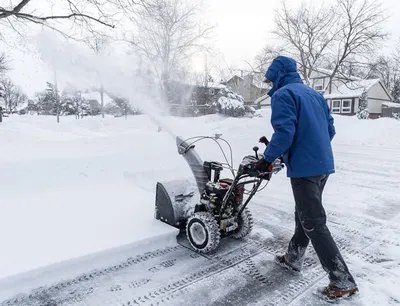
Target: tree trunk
(102,100)
(56,97)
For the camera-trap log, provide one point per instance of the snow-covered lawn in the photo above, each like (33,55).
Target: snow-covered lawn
(83,186)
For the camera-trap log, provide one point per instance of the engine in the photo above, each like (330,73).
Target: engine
(214,194)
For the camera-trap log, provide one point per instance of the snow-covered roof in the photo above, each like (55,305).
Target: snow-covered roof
(195,83)
(261,99)
(94,95)
(328,72)
(257,83)
(353,89)
(215,85)
(391,104)
(22,106)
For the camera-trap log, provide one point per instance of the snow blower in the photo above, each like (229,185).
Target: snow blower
(213,207)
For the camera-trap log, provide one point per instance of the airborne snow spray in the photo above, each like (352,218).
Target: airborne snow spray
(84,69)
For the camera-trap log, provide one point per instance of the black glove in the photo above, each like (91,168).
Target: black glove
(263,166)
(264,140)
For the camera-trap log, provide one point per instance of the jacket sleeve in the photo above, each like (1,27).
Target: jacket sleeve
(284,121)
(331,126)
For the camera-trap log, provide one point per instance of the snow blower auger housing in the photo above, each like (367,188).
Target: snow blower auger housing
(214,207)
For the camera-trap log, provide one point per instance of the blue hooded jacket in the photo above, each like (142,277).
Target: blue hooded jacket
(302,122)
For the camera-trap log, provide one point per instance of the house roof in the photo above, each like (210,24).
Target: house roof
(391,104)
(328,72)
(353,89)
(215,85)
(261,99)
(256,83)
(196,83)
(94,95)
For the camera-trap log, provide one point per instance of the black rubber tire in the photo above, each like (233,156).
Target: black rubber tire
(206,223)
(245,224)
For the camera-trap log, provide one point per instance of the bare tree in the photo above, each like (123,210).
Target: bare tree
(12,95)
(361,31)
(265,57)
(306,34)
(99,43)
(87,13)
(169,32)
(3,63)
(341,37)
(385,69)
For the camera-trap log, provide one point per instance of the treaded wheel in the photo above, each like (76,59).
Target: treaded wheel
(245,224)
(203,232)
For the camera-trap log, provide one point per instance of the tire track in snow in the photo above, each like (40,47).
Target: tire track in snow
(219,263)
(82,290)
(53,294)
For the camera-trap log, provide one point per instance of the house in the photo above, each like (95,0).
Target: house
(390,109)
(248,87)
(193,98)
(94,99)
(343,96)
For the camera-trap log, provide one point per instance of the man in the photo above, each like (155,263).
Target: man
(303,131)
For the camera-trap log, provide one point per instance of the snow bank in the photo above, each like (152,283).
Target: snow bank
(78,187)
(46,226)
(383,132)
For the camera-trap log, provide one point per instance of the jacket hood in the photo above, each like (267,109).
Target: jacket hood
(282,71)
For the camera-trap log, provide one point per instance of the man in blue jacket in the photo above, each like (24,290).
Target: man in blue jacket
(303,130)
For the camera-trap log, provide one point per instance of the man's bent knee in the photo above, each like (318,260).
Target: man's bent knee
(311,226)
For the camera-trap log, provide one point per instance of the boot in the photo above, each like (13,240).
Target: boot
(281,261)
(332,292)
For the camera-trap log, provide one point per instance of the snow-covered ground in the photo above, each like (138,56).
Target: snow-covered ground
(79,196)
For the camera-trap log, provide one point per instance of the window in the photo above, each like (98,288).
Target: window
(346,106)
(341,106)
(318,84)
(335,106)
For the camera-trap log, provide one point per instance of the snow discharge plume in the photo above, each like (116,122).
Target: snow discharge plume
(117,73)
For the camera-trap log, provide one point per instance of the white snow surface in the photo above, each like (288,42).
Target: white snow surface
(85,186)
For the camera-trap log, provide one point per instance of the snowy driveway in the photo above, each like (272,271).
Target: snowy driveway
(362,202)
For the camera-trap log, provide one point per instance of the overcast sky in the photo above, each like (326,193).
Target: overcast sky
(243,26)
(242,31)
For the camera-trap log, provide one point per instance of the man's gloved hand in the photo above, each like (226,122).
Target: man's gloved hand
(264,140)
(263,166)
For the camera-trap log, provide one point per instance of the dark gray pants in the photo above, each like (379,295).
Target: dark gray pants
(310,221)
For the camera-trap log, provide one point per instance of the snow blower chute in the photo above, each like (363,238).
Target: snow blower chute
(212,207)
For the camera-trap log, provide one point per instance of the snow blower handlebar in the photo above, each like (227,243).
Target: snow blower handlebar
(265,141)
(247,168)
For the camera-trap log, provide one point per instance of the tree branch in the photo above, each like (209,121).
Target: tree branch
(33,18)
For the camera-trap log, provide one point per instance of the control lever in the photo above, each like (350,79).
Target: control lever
(264,140)
(255,149)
